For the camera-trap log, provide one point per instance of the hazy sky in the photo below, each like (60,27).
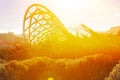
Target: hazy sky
(97,14)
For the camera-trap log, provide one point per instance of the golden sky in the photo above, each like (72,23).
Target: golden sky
(100,15)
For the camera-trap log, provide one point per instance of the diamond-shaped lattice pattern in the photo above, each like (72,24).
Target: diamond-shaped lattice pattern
(41,25)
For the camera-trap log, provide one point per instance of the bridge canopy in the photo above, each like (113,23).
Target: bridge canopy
(41,25)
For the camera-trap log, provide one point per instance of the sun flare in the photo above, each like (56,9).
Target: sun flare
(59,40)
(50,78)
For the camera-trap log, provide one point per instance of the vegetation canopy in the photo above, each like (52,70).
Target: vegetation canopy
(49,51)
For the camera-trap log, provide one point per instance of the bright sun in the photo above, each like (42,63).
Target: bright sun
(88,12)
(100,15)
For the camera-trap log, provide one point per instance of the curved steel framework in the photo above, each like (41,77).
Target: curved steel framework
(40,24)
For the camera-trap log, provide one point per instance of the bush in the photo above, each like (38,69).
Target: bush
(95,67)
(115,74)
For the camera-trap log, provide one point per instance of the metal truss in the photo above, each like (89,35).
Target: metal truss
(41,25)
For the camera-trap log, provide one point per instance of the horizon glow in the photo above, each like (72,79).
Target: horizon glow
(100,15)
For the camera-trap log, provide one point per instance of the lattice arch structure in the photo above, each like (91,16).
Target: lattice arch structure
(41,25)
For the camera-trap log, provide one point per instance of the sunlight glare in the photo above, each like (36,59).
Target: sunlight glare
(16,31)
(50,78)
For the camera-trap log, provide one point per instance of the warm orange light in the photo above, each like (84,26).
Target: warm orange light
(50,78)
